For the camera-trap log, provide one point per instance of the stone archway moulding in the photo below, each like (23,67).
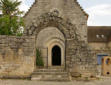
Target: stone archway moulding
(53,19)
(62,47)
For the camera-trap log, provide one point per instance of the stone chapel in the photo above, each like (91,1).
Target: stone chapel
(59,29)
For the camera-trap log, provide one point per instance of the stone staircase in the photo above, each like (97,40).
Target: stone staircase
(50,75)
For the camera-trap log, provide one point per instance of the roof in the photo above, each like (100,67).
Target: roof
(99,33)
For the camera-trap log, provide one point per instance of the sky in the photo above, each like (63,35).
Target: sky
(99,11)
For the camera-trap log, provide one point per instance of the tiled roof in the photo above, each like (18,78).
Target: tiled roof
(99,33)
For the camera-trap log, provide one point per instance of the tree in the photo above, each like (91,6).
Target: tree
(10,7)
(10,21)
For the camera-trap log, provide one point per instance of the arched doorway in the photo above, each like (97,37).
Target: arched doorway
(56,56)
(56,53)
(46,40)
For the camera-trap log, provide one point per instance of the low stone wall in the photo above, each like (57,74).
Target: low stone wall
(16,56)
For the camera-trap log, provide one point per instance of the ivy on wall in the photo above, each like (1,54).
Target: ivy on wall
(39,61)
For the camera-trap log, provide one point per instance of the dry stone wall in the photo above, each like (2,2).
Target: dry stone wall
(16,56)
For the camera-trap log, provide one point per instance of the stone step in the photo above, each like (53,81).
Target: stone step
(56,67)
(50,75)
(49,70)
(50,79)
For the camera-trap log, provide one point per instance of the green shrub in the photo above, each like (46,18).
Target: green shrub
(39,61)
(19,34)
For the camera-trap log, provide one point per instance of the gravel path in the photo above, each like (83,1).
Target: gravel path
(28,82)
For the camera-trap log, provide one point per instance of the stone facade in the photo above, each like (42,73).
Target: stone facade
(69,10)
(50,23)
(71,21)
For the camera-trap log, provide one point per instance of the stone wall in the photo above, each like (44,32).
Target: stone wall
(100,48)
(16,56)
(104,51)
(83,60)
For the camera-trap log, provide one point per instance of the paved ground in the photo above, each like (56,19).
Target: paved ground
(27,82)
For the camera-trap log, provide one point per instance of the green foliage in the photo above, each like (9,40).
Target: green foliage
(10,21)
(19,34)
(10,26)
(39,61)
(10,7)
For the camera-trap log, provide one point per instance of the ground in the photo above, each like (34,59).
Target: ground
(28,82)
